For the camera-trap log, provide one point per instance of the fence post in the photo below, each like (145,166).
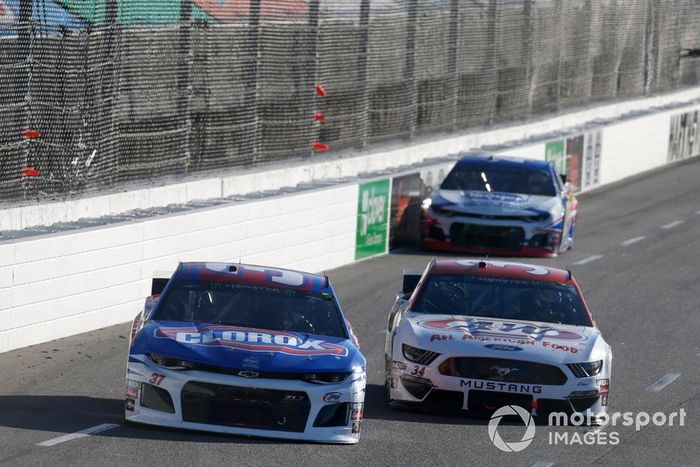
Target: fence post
(107,165)
(312,67)
(492,37)
(184,82)
(410,70)
(554,88)
(22,84)
(650,48)
(528,53)
(251,73)
(452,62)
(362,91)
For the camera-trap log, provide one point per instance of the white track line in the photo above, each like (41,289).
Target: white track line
(667,379)
(590,259)
(78,434)
(542,464)
(632,240)
(671,225)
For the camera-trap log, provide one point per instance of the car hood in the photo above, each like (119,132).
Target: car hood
(247,348)
(485,203)
(521,340)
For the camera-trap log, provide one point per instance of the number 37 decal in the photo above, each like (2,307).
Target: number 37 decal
(156,379)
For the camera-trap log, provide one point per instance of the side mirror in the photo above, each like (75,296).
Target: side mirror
(158,285)
(410,281)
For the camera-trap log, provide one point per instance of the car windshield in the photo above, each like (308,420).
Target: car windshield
(252,306)
(522,181)
(502,298)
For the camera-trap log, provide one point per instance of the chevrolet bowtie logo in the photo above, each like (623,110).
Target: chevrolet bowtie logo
(248,374)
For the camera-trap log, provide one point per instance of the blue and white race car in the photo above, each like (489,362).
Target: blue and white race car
(249,350)
(502,206)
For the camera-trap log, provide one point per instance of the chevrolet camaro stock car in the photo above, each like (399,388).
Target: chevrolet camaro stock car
(502,206)
(250,350)
(477,335)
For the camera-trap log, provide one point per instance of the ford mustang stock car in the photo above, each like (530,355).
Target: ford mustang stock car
(248,350)
(500,206)
(471,335)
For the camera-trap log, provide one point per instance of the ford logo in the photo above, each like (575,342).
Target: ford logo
(510,348)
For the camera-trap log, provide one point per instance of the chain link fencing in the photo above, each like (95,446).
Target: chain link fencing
(97,93)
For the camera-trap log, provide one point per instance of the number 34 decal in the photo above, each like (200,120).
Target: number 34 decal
(418,370)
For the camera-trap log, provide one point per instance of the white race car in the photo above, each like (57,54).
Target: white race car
(478,335)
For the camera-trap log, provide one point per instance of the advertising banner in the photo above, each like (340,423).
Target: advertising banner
(372,219)
(574,161)
(591,159)
(578,157)
(685,136)
(555,151)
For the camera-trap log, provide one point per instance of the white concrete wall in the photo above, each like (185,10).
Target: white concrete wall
(377,157)
(56,286)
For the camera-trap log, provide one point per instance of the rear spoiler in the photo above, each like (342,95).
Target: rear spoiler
(410,281)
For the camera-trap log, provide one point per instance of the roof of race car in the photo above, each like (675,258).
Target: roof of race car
(254,275)
(502,162)
(506,269)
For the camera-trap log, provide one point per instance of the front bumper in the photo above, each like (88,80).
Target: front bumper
(489,236)
(262,407)
(426,387)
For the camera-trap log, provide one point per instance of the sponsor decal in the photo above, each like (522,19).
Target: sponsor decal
(507,348)
(132,389)
(441,337)
(252,340)
(251,362)
(356,413)
(555,346)
(398,365)
(500,386)
(604,389)
(248,374)
(501,200)
(508,340)
(482,328)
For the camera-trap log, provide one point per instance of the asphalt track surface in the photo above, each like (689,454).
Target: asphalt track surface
(644,293)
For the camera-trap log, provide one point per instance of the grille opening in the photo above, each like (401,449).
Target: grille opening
(264,409)
(470,235)
(333,415)
(501,369)
(156,398)
(417,387)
